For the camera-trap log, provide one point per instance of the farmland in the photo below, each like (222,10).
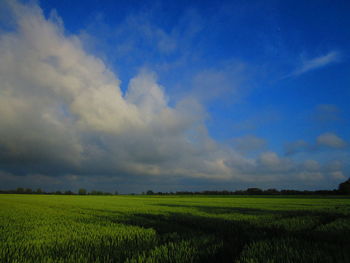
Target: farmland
(52,228)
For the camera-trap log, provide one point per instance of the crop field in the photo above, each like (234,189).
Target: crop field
(49,228)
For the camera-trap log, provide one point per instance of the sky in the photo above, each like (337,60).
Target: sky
(174,95)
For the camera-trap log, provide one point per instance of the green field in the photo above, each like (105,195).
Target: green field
(49,228)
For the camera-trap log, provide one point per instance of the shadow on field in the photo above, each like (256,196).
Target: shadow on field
(222,210)
(254,211)
(321,217)
(231,237)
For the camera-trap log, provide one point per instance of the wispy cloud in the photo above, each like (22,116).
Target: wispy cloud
(316,63)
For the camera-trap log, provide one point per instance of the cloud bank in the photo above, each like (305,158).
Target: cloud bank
(64,117)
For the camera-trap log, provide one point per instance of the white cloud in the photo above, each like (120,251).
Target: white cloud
(331,140)
(311,165)
(269,159)
(144,92)
(249,143)
(316,63)
(325,141)
(338,175)
(273,163)
(310,176)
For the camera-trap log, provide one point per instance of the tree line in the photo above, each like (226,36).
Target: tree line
(81,191)
(343,189)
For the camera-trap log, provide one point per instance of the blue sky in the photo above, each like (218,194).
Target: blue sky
(257,92)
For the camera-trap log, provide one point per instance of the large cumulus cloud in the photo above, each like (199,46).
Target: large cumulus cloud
(63,111)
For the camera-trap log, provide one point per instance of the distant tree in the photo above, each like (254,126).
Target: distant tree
(68,192)
(20,190)
(271,191)
(116,193)
(344,188)
(58,192)
(96,192)
(149,192)
(290,192)
(254,191)
(325,192)
(39,191)
(82,191)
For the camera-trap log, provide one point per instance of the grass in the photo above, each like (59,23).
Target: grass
(42,228)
